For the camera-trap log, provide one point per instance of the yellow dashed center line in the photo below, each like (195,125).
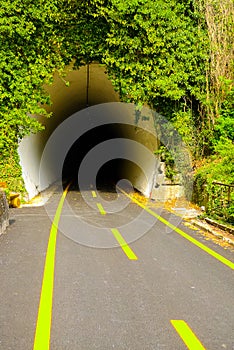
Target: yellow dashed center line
(123,244)
(101,209)
(43,327)
(182,233)
(187,335)
(94,194)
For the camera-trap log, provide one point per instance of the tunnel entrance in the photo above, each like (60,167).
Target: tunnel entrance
(110,120)
(116,170)
(111,171)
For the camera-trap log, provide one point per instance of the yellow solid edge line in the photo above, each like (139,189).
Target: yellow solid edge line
(94,194)
(123,244)
(101,209)
(187,335)
(43,327)
(183,234)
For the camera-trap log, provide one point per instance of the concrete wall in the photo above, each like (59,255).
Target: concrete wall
(163,189)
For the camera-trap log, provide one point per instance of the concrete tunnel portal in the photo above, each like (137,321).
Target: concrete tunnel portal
(107,129)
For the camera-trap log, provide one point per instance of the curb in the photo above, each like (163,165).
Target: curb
(208,227)
(42,198)
(221,226)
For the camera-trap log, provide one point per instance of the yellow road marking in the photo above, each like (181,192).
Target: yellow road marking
(43,327)
(123,244)
(187,335)
(94,194)
(183,234)
(101,209)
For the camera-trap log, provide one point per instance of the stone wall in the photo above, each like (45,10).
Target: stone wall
(164,190)
(4,212)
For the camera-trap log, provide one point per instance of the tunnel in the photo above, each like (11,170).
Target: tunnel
(88,123)
(112,171)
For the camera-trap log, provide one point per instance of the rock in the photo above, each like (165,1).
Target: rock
(4,212)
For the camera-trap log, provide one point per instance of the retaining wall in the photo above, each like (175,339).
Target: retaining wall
(4,212)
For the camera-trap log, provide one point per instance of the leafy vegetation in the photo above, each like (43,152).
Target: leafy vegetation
(28,58)
(219,167)
(175,56)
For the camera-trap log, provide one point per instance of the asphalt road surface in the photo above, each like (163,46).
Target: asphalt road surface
(124,279)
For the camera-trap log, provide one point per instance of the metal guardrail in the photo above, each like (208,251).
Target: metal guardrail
(230,188)
(221,199)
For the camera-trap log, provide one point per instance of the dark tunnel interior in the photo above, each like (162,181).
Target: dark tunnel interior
(113,170)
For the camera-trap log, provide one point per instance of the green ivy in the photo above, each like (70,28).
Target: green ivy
(166,157)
